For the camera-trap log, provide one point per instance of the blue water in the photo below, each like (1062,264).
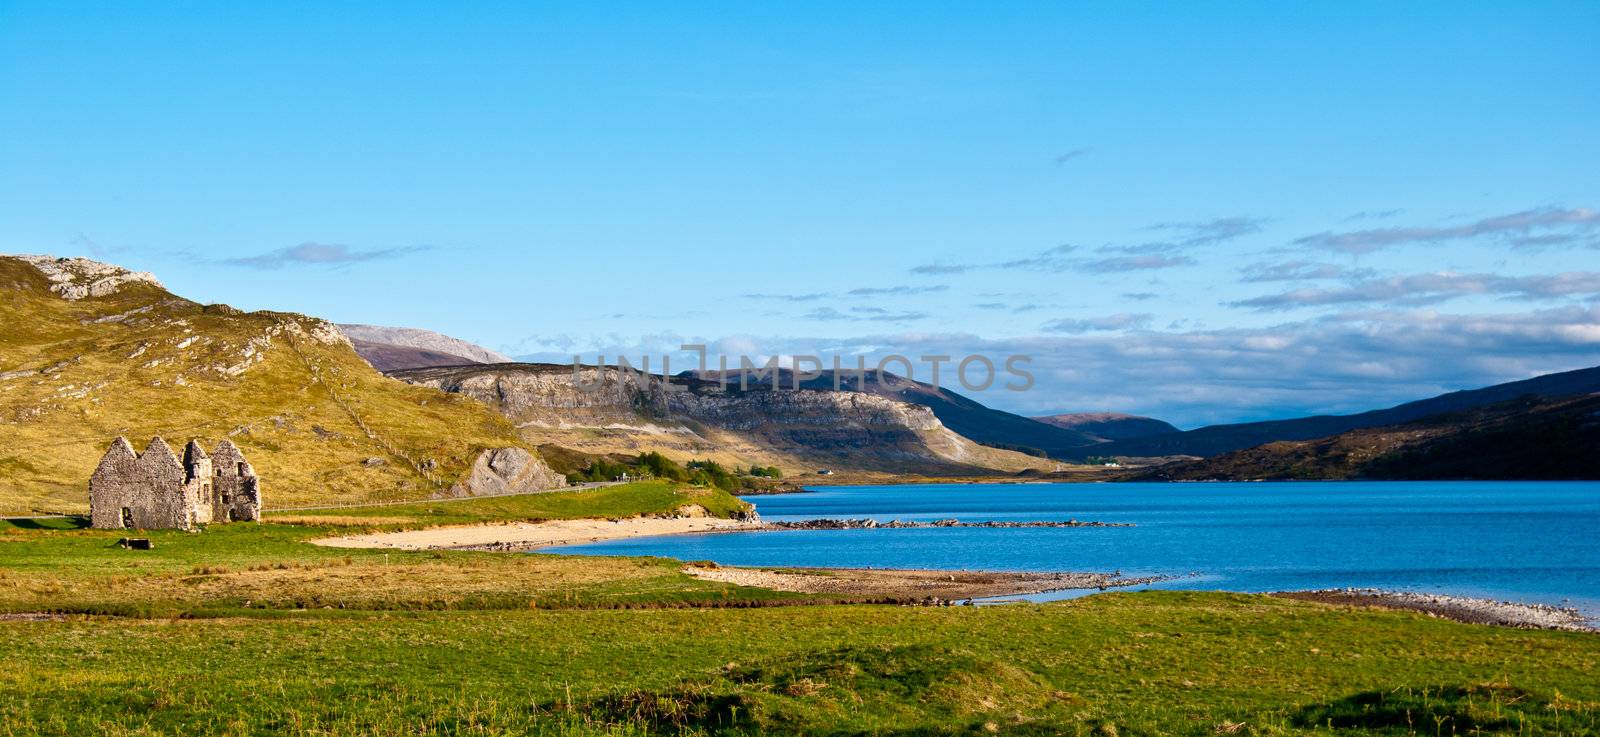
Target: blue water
(1523,541)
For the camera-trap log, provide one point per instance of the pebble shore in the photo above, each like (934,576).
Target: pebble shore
(1459,608)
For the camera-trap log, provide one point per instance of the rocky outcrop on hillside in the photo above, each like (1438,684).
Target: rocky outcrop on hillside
(506,471)
(77,278)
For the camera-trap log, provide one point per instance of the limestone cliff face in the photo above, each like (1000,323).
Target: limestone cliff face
(860,429)
(538,394)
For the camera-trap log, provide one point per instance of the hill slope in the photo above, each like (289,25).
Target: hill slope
(89,351)
(389,357)
(1109,426)
(424,343)
(1215,439)
(1526,438)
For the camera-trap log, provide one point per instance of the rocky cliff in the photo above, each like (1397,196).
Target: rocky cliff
(806,427)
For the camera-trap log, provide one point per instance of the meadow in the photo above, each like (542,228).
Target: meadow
(249,629)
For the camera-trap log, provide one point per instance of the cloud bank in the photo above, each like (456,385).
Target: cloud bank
(314,254)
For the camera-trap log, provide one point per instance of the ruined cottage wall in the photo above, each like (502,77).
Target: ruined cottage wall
(158,491)
(198,484)
(164,506)
(149,486)
(236,496)
(116,483)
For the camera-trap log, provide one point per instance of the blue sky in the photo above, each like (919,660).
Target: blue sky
(1201,211)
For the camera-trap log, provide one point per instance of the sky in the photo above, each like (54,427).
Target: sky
(1204,212)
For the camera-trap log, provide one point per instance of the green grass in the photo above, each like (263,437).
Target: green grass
(55,565)
(249,629)
(1127,664)
(626,500)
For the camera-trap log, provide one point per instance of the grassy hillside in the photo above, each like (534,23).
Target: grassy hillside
(318,423)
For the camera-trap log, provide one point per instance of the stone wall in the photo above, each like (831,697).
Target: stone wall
(156,491)
(146,491)
(236,496)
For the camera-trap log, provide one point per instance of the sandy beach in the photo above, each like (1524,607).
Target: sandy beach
(533,535)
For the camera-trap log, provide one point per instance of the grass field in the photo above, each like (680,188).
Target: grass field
(248,629)
(1145,663)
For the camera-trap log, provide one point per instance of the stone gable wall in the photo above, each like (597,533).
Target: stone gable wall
(156,491)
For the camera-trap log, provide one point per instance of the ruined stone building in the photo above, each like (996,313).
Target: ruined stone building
(155,490)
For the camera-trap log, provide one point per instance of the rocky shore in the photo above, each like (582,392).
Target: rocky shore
(1459,608)
(927,587)
(872,524)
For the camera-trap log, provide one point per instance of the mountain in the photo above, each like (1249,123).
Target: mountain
(1530,437)
(388,357)
(1109,426)
(991,427)
(388,349)
(803,429)
(90,351)
(1217,439)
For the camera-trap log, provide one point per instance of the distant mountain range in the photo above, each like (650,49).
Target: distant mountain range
(1422,437)
(1531,437)
(390,349)
(1217,439)
(1109,426)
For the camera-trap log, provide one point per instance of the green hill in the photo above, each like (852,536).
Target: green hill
(89,351)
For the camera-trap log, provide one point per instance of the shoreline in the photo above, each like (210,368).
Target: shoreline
(934,586)
(1458,608)
(527,536)
(515,536)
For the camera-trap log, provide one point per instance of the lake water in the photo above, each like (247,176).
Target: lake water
(1523,541)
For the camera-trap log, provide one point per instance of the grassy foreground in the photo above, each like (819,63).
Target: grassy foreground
(1146,663)
(249,629)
